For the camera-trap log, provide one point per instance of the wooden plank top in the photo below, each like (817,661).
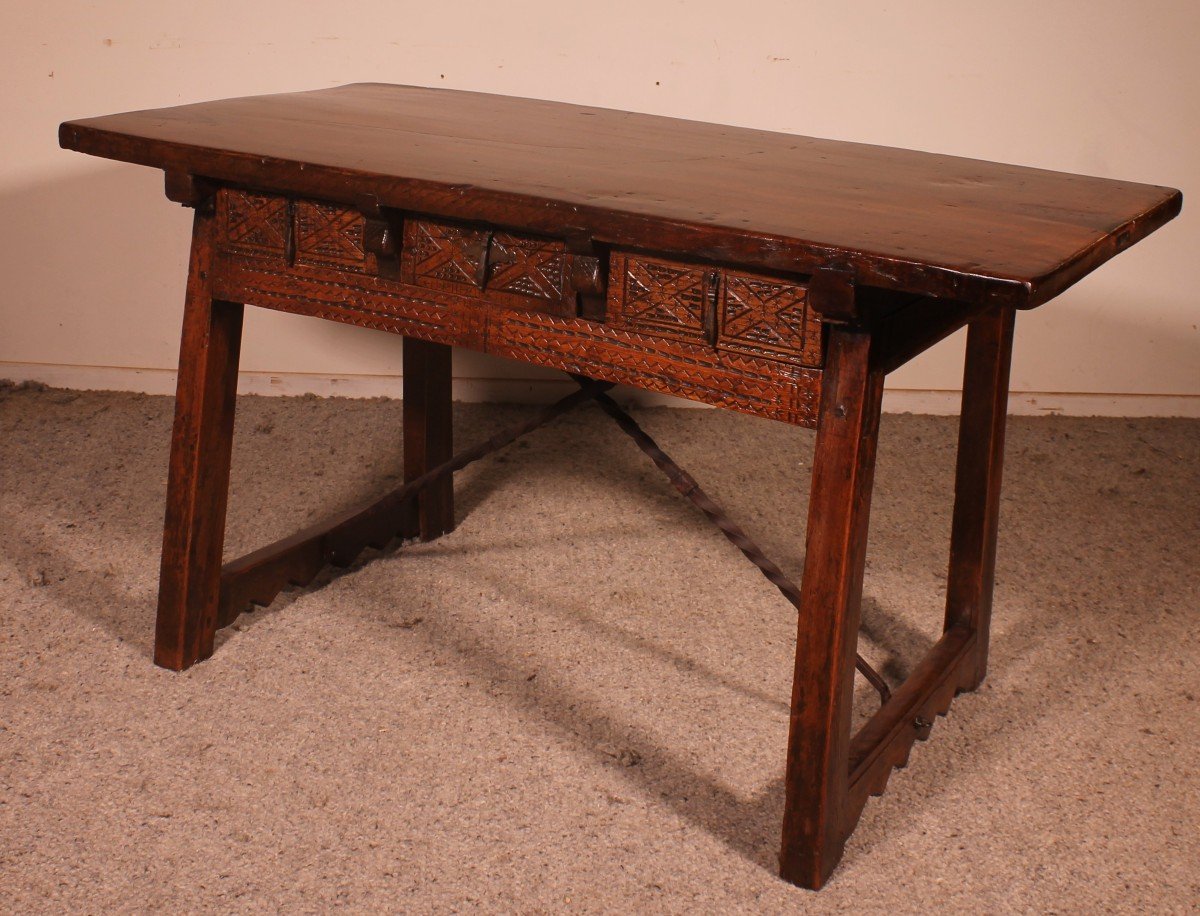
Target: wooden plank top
(899,219)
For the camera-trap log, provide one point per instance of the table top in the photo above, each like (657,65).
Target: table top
(900,219)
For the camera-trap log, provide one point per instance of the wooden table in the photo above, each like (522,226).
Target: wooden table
(772,274)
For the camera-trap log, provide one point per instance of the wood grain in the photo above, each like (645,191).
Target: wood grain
(980,464)
(198,477)
(817,777)
(712,334)
(885,741)
(428,436)
(898,219)
(772,274)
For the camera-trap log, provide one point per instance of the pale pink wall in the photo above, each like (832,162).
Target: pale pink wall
(93,256)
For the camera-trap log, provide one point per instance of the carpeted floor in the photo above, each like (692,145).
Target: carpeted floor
(577,701)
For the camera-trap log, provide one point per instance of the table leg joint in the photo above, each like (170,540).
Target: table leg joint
(885,741)
(257,578)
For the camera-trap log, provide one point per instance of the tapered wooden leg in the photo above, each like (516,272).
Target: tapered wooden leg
(427,434)
(815,822)
(198,479)
(977,483)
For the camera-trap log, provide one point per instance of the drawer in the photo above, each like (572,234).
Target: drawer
(495,266)
(327,235)
(666,298)
(707,332)
(767,317)
(518,271)
(254,224)
(731,310)
(297,231)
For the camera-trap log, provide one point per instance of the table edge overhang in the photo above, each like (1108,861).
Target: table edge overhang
(667,235)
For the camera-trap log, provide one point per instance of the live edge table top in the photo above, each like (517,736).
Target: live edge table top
(900,220)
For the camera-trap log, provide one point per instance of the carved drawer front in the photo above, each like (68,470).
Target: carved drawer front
(504,268)
(767,317)
(731,310)
(303,232)
(328,235)
(655,296)
(254,224)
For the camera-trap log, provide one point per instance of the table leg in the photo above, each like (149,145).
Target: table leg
(428,438)
(198,479)
(977,484)
(817,774)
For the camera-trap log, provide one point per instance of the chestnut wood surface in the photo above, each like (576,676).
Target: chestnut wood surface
(198,475)
(815,824)
(428,437)
(777,275)
(897,219)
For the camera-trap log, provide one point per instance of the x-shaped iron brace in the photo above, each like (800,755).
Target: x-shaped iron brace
(687,486)
(256,578)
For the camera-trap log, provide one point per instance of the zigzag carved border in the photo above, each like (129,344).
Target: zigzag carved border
(766,388)
(886,740)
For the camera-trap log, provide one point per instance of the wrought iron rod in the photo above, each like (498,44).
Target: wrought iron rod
(682,481)
(259,576)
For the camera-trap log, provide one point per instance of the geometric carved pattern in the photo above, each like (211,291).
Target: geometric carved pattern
(769,388)
(255,224)
(329,236)
(709,333)
(445,257)
(663,297)
(526,266)
(517,271)
(734,311)
(767,317)
(652,363)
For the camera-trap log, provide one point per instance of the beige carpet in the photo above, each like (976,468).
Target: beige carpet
(576,702)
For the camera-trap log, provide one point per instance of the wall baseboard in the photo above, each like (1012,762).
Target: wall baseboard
(510,390)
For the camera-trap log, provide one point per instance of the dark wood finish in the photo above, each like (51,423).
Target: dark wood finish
(816,777)
(254,580)
(428,440)
(518,271)
(885,741)
(294,561)
(767,317)
(259,225)
(977,483)
(817,823)
(187,189)
(898,219)
(914,327)
(662,297)
(834,295)
(198,479)
(689,370)
(326,235)
(767,273)
(381,234)
(756,356)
